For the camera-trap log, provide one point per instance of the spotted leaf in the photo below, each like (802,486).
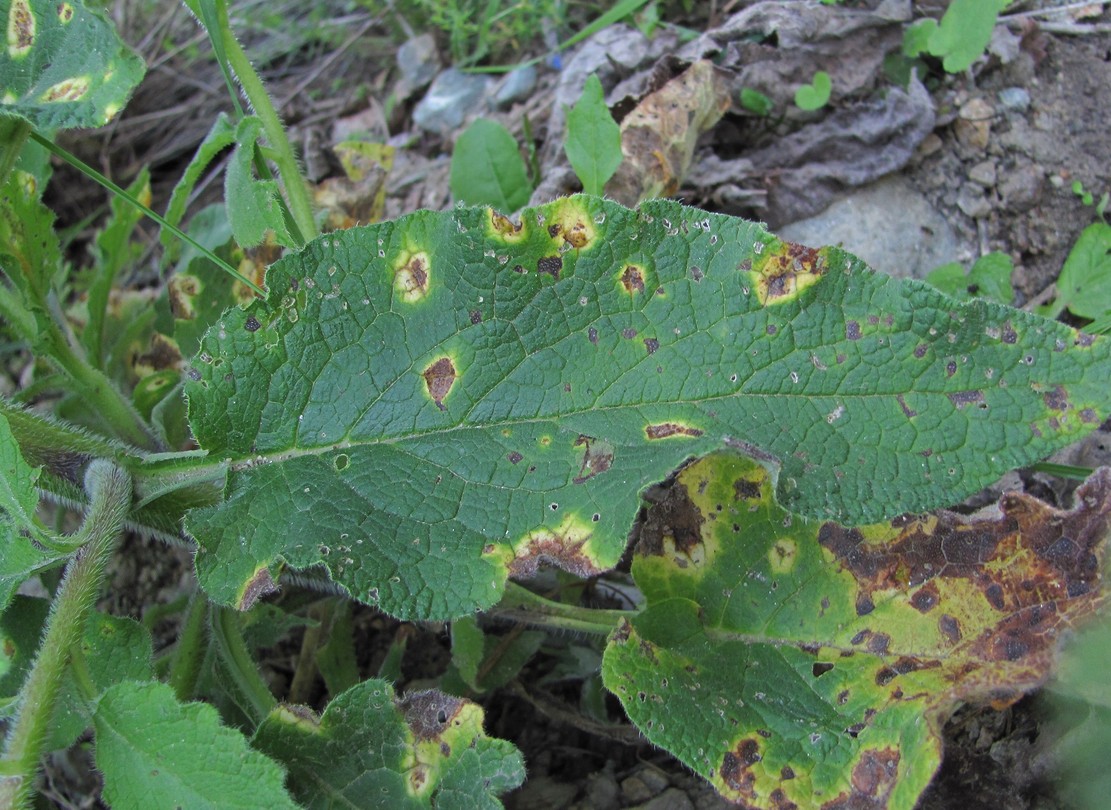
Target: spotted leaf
(798,663)
(63,65)
(370,749)
(428,406)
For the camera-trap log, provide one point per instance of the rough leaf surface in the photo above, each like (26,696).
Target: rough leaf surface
(157,752)
(370,750)
(797,663)
(429,405)
(63,65)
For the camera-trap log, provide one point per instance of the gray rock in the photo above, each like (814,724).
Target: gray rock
(602,792)
(1021,187)
(516,86)
(888,224)
(972,202)
(1016,99)
(452,97)
(983,174)
(419,62)
(634,789)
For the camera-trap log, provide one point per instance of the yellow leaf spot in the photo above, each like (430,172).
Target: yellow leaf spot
(567,546)
(412,272)
(21,29)
(68,90)
(782,555)
(65,12)
(503,228)
(784,270)
(568,219)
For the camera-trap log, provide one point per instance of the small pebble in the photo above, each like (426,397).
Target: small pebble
(634,789)
(983,174)
(1014,98)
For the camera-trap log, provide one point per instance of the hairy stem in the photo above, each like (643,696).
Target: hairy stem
(240,665)
(109,489)
(185,669)
(297,192)
(521,604)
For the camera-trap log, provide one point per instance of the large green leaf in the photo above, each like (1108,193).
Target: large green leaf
(429,405)
(64,65)
(369,750)
(795,663)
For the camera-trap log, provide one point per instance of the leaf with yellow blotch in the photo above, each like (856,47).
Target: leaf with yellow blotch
(799,663)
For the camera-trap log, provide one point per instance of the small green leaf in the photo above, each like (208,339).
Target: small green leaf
(756,102)
(219,137)
(113,649)
(916,37)
(964,32)
(254,205)
(157,752)
(64,65)
(487,169)
(990,277)
(815,95)
(1084,286)
(21,625)
(593,143)
(467,648)
(796,661)
(18,498)
(370,750)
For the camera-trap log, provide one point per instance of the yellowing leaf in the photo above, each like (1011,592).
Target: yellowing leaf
(799,663)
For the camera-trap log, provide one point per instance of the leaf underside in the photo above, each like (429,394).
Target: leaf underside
(430,405)
(795,663)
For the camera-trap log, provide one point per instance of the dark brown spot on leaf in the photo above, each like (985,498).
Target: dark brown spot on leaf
(504,225)
(746,490)
(821,668)
(949,627)
(439,378)
(666,429)
(908,412)
(950,368)
(651,344)
(920,350)
(632,279)
(628,333)
(925,598)
(552,265)
(554,548)
(476,317)
(261,584)
(879,643)
(1089,416)
(962,399)
(1008,333)
(252,324)
(852,330)
(736,767)
(592,335)
(597,458)
(429,713)
(514,457)
(1057,399)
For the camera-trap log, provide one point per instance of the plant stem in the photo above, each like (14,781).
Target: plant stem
(109,489)
(238,662)
(96,387)
(93,174)
(185,669)
(521,604)
(297,192)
